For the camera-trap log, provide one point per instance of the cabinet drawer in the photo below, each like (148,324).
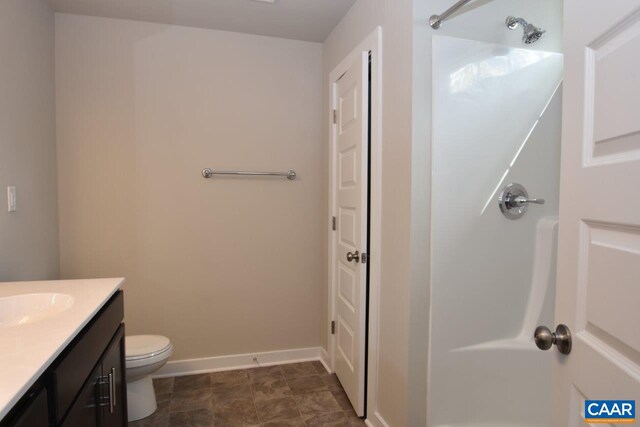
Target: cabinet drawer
(78,362)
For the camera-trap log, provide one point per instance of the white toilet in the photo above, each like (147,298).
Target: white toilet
(145,354)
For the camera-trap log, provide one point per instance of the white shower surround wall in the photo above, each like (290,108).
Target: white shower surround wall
(496,120)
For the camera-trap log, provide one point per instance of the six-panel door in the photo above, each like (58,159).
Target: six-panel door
(598,287)
(351,166)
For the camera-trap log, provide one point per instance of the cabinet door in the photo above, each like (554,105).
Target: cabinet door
(70,372)
(35,412)
(85,411)
(114,389)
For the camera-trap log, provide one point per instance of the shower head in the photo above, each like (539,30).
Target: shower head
(531,33)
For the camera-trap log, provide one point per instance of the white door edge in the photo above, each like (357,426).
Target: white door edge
(372,44)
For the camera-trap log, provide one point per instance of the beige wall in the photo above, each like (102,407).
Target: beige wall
(395,17)
(29,236)
(221,266)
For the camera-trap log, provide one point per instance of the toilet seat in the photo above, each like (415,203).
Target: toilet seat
(144,350)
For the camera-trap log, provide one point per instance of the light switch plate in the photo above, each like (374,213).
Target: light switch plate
(11,199)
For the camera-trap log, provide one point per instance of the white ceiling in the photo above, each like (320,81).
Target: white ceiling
(310,20)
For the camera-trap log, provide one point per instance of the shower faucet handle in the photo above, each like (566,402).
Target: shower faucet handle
(514,201)
(521,200)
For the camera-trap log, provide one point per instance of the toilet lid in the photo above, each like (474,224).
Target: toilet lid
(142,346)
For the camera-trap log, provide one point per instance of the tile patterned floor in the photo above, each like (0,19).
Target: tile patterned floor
(299,394)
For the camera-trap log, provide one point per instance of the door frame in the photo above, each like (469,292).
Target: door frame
(372,45)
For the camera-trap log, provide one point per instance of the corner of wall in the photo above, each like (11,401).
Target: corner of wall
(29,247)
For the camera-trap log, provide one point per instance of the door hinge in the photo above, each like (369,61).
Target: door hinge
(333,327)
(364,258)
(334,225)
(335,116)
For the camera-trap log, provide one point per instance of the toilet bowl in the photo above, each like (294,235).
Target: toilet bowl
(145,354)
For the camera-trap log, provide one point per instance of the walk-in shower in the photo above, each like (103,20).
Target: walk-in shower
(493,262)
(496,127)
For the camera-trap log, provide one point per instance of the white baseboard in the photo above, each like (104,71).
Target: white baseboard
(325,360)
(176,368)
(376,421)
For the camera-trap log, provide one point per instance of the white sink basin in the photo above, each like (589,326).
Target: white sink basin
(27,308)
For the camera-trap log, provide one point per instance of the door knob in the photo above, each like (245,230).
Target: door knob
(353,256)
(544,338)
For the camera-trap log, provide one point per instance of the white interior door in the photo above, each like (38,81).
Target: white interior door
(598,284)
(350,191)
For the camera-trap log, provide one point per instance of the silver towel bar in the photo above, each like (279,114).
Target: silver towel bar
(209,173)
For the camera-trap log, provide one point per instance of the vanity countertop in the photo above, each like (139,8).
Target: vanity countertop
(27,350)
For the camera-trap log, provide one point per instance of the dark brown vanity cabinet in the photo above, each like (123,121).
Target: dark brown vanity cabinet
(85,386)
(101,402)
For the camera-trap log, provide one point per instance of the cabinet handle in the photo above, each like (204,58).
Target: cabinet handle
(113,388)
(109,379)
(111,392)
(104,380)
